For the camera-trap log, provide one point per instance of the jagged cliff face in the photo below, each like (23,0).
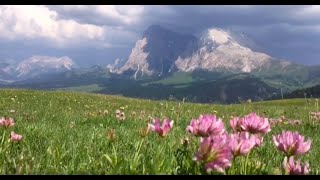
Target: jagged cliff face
(162,51)
(138,59)
(157,51)
(218,50)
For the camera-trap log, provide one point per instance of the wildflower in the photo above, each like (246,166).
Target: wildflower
(314,115)
(122,108)
(144,131)
(15,137)
(234,123)
(215,112)
(133,114)
(105,112)
(255,124)
(111,135)
(291,143)
(281,121)
(118,111)
(295,122)
(258,140)
(6,122)
(12,111)
(163,130)
(142,112)
(206,125)
(241,143)
(274,122)
(120,115)
(295,168)
(185,141)
(214,153)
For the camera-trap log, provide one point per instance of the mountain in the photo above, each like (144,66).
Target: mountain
(116,64)
(157,51)
(242,39)
(39,65)
(161,51)
(218,50)
(6,69)
(218,66)
(34,67)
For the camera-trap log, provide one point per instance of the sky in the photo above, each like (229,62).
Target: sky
(99,34)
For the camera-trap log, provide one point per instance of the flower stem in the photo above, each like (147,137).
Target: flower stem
(246,164)
(232,169)
(285,170)
(2,139)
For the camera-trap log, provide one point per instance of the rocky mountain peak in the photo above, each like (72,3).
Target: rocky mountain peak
(156,51)
(161,51)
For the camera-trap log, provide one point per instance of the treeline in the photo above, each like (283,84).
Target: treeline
(312,92)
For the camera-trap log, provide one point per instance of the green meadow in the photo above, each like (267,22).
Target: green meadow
(78,133)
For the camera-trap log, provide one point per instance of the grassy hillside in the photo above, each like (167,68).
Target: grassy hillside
(225,90)
(313,91)
(201,88)
(67,133)
(176,78)
(86,88)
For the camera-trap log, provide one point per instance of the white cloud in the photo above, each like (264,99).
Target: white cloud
(126,14)
(38,22)
(104,27)
(309,12)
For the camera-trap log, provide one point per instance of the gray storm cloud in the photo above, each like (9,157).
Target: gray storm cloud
(107,32)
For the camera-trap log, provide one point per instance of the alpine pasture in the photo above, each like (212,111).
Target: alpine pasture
(79,133)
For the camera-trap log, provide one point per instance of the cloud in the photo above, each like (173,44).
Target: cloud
(309,12)
(286,31)
(108,15)
(39,22)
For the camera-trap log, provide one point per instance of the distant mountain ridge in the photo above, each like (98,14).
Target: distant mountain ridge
(35,67)
(218,66)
